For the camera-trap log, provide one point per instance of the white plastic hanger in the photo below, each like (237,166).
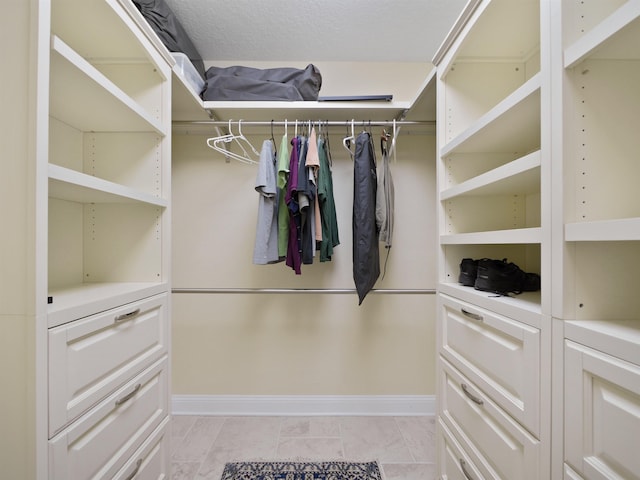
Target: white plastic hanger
(221,144)
(346,141)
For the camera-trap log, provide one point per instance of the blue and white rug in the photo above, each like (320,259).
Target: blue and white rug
(282,470)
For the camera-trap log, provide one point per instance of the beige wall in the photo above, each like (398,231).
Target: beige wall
(298,344)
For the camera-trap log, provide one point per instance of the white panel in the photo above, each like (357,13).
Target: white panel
(130,159)
(65,243)
(65,145)
(139,81)
(472,89)
(90,358)
(605,280)
(499,354)
(602,414)
(392,405)
(604,159)
(487,213)
(122,242)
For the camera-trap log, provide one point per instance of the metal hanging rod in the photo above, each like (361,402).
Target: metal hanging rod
(418,291)
(290,123)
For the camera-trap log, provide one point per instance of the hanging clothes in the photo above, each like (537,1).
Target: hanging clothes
(329,219)
(266,244)
(306,198)
(294,246)
(385,200)
(366,257)
(313,165)
(283,210)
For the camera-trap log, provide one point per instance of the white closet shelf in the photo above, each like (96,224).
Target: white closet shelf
(307,110)
(521,176)
(626,229)
(74,186)
(615,37)
(79,301)
(99,28)
(501,30)
(619,336)
(84,98)
(185,104)
(524,307)
(496,237)
(511,126)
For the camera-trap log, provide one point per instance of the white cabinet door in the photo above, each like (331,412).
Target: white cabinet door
(602,414)
(500,355)
(101,441)
(90,358)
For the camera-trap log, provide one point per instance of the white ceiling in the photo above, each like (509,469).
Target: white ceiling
(317,30)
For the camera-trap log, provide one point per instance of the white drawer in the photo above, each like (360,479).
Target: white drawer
(501,448)
(602,414)
(152,460)
(91,357)
(454,463)
(104,439)
(570,474)
(500,355)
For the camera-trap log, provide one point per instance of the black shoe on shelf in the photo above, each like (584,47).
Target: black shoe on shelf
(468,272)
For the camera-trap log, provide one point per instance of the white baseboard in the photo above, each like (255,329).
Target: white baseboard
(308,405)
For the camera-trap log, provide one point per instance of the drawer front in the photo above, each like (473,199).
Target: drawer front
(104,439)
(90,358)
(152,460)
(570,474)
(454,463)
(500,355)
(501,447)
(602,414)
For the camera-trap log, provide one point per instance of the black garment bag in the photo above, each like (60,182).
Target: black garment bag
(366,257)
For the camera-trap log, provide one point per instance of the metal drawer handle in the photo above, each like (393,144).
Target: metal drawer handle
(127,316)
(474,316)
(473,398)
(135,472)
(129,395)
(463,466)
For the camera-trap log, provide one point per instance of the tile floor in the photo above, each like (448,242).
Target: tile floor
(404,446)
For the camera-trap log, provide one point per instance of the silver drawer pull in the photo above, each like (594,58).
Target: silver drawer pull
(474,316)
(463,466)
(473,398)
(127,316)
(128,396)
(135,471)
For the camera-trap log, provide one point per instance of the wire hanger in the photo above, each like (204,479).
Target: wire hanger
(221,144)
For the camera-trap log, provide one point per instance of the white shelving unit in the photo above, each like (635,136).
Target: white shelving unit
(556,149)
(92,399)
(600,250)
(493,170)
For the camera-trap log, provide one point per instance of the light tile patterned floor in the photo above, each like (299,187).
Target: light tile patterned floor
(404,446)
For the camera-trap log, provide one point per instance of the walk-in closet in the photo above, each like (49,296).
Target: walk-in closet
(393,237)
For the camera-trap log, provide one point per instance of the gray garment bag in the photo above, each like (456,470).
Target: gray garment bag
(247,83)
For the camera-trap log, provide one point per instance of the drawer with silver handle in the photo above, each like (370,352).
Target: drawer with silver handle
(100,443)
(501,448)
(499,354)
(91,357)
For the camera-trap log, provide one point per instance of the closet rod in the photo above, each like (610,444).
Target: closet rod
(418,291)
(291,123)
